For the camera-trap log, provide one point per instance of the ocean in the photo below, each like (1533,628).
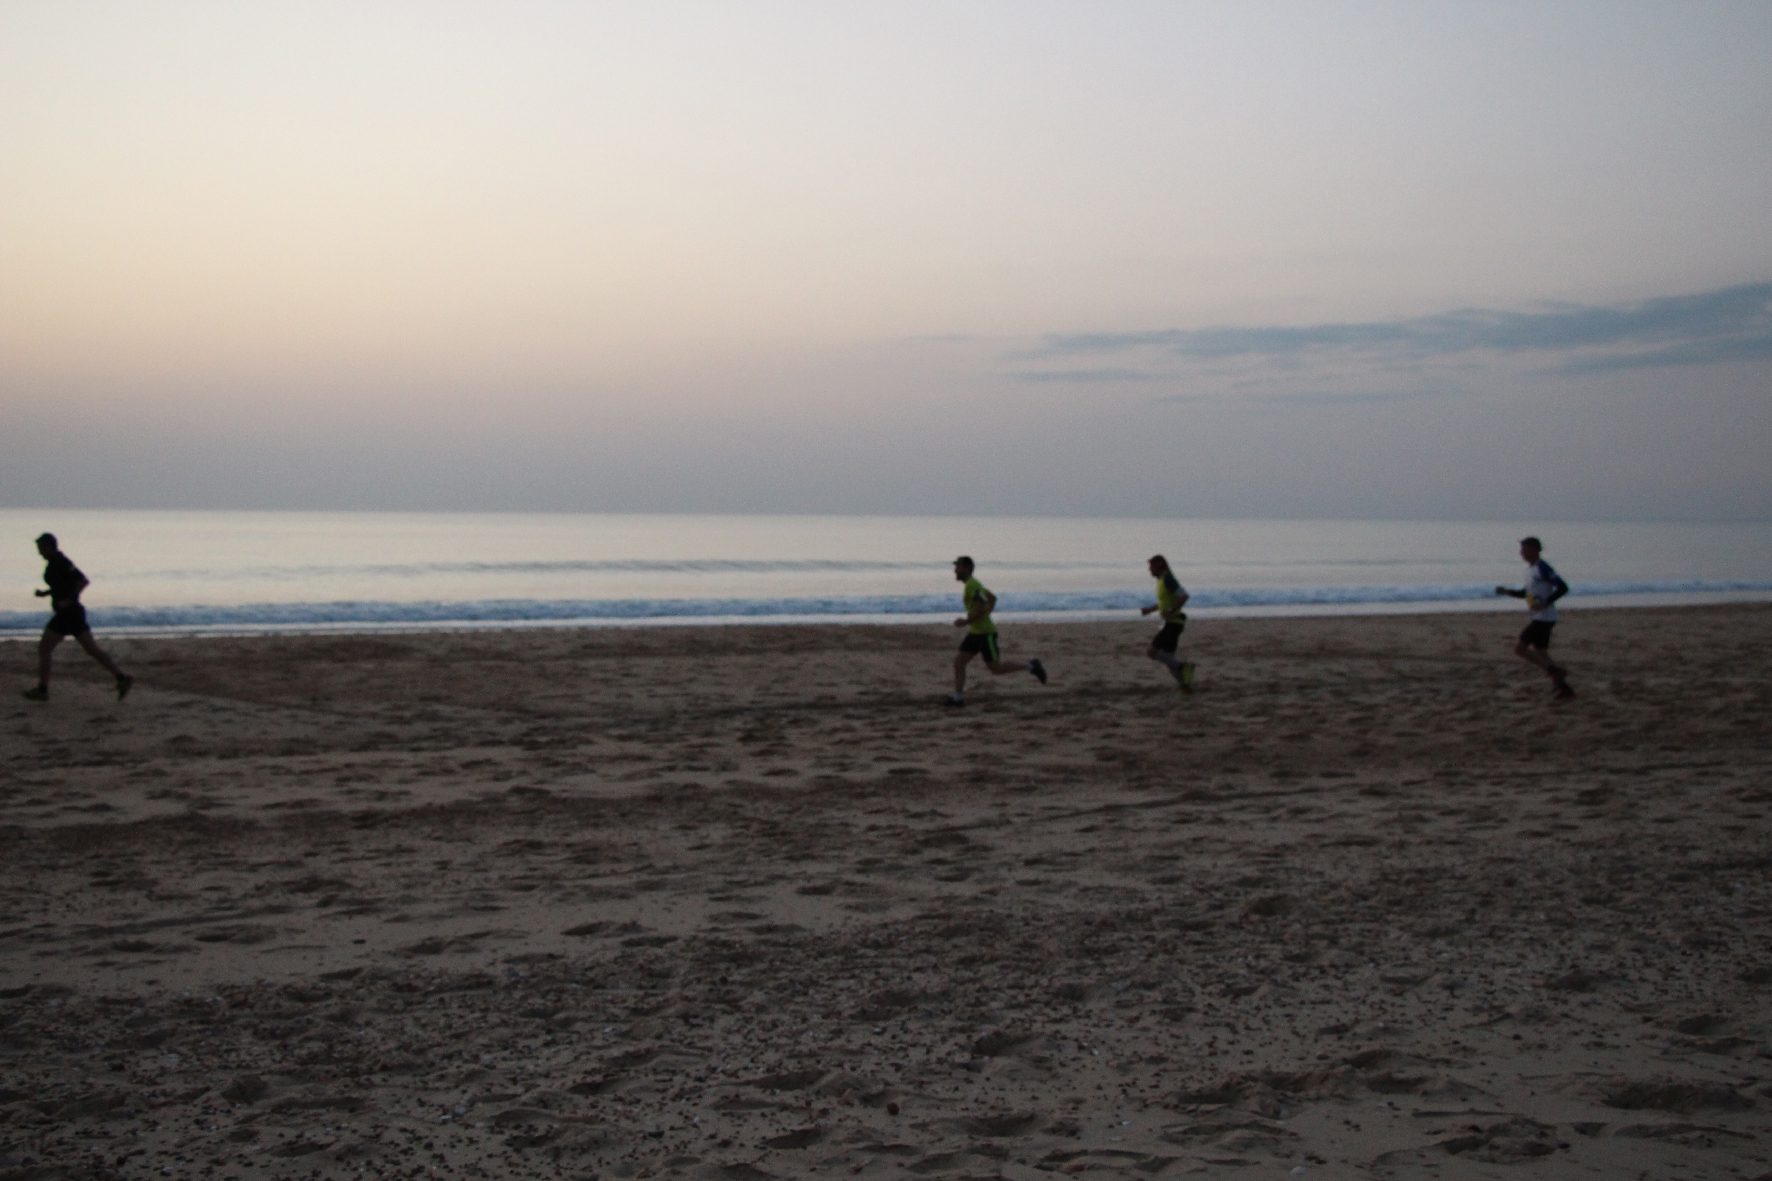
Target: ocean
(244,572)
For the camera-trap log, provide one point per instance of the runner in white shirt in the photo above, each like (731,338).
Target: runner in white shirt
(1542,590)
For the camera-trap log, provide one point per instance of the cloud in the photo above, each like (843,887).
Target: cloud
(1322,397)
(1087,375)
(1747,347)
(1355,397)
(1729,324)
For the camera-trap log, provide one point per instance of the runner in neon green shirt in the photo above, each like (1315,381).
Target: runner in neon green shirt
(1171,598)
(981,634)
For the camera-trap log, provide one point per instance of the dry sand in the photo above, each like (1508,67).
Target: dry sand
(745,902)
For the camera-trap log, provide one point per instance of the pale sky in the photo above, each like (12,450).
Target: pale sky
(1312,259)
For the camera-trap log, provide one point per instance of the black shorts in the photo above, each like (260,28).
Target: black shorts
(1165,640)
(1537,634)
(985,645)
(69,620)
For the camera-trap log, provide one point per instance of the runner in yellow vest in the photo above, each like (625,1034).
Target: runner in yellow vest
(981,634)
(1170,600)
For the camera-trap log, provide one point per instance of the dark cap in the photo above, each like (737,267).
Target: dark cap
(49,537)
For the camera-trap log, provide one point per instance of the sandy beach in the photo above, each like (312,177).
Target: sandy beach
(746,902)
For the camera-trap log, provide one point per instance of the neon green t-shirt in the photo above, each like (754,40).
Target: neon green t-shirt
(1169,600)
(972,596)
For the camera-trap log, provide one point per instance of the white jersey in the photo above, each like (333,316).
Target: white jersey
(1541,584)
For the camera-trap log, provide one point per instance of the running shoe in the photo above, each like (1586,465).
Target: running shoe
(954,700)
(123,684)
(1562,692)
(1038,669)
(1187,673)
(40,693)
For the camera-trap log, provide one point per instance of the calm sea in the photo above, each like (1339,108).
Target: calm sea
(246,571)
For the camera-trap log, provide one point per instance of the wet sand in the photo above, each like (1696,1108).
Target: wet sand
(746,902)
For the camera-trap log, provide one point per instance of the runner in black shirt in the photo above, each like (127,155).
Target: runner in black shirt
(65,584)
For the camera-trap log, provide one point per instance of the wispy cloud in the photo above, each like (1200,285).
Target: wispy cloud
(1088,375)
(1730,324)
(1355,397)
(1747,347)
(1321,397)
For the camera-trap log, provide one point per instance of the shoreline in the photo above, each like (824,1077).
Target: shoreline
(1573,603)
(747,901)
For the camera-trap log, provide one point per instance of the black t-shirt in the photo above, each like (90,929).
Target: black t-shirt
(64,579)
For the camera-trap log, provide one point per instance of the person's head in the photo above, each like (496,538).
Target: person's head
(962,568)
(1530,548)
(1159,564)
(46,544)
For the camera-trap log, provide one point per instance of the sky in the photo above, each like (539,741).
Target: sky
(1382,260)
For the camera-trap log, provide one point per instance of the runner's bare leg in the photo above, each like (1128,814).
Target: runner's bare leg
(93,650)
(46,654)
